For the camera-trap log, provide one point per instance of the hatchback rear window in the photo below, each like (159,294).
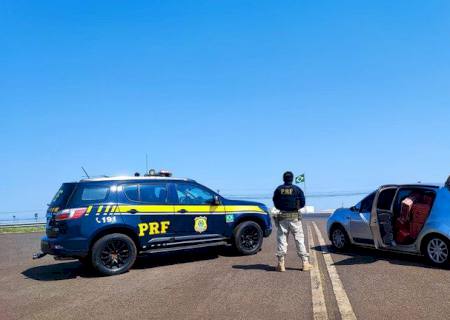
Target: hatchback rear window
(89,194)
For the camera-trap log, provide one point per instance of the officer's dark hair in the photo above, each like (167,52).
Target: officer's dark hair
(447,184)
(288,177)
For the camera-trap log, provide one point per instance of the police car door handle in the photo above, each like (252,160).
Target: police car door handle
(132,211)
(182,211)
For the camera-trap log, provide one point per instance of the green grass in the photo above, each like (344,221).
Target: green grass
(25,229)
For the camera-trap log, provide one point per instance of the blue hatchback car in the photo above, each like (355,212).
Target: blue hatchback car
(106,222)
(412,218)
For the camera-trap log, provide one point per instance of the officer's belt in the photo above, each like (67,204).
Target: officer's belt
(288,215)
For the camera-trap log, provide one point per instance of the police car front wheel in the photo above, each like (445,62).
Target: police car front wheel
(248,238)
(114,254)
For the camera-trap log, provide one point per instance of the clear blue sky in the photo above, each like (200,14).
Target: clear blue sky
(231,93)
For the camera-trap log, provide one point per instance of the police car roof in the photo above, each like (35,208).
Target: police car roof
(143,178)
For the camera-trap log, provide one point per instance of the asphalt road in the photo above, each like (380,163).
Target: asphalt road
(215,284)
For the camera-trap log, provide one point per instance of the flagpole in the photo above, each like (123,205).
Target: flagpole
(304,184)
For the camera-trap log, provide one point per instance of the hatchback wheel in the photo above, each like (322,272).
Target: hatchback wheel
(339,238)
(114,254)
(248,238)
(437,250)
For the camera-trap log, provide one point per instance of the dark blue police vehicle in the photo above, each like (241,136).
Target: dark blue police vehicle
(106,222)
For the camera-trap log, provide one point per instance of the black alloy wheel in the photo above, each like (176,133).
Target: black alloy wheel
(248,238)
(114,254)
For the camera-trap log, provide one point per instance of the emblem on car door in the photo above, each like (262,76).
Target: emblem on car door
(200,224)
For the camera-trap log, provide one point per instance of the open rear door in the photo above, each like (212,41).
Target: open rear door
(382,206)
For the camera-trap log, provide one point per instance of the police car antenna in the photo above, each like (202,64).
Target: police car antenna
(85,172)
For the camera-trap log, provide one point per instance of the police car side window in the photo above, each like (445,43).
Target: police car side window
(194,195)
(89,194)
(132,192)
(153,193)
(94,194)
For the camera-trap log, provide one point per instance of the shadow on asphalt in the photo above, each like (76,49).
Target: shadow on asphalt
(59,271)
(358,255)
(73,269)
(261,267)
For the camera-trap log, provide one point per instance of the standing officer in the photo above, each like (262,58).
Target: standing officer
(288,200)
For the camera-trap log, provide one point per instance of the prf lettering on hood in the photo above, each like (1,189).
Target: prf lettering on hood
(153,228)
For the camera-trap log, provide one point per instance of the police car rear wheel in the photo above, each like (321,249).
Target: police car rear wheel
(114,254)
(248,238)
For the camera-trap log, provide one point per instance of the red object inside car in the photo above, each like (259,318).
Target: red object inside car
(402,224)
(419,215)
(413,215)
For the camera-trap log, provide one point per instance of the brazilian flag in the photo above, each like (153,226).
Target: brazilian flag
(300,178)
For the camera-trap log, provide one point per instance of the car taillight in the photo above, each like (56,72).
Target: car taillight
(70,214)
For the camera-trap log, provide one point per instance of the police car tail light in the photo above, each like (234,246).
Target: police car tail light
(70,214)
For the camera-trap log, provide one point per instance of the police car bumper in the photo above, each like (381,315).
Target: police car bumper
(66,248)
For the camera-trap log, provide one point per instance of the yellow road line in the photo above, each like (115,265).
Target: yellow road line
(318,298)
(344,305)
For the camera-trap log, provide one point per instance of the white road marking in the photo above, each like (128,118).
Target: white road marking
(344,305)
(318,298)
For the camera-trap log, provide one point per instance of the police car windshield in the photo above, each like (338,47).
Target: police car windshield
(63,194)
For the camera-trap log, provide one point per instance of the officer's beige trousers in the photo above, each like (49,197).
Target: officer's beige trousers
(284,227)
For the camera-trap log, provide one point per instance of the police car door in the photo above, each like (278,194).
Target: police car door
(197,213)
(148,210)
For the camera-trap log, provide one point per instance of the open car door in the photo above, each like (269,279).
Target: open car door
(381,216)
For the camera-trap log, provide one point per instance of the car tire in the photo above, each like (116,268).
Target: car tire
(436,249)
(339,238)
(248,238)
(113,254)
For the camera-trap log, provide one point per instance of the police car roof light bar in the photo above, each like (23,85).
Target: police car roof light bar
(165,173)
(161,173)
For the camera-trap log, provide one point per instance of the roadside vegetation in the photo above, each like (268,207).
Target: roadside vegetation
(22,229)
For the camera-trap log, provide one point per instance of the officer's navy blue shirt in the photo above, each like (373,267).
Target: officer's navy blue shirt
(288,197)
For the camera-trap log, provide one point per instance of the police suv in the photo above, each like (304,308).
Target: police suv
(106,222)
